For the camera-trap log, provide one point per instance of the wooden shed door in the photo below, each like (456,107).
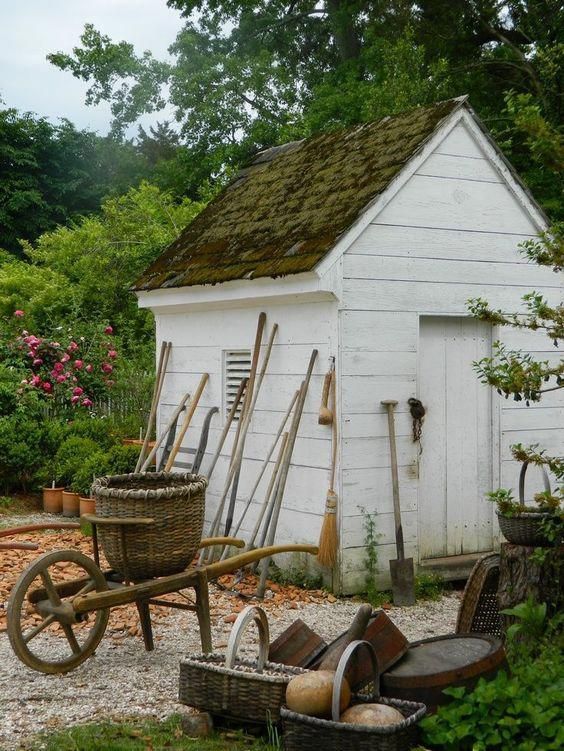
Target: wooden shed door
(455,470)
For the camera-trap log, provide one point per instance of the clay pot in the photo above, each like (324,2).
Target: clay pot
(71,503)
(87,505)
(53,500)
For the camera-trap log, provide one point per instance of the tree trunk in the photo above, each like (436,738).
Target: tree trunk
(520,577)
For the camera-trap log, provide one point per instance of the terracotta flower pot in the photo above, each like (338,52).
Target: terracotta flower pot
(53,500)
(71,503)
(87,505)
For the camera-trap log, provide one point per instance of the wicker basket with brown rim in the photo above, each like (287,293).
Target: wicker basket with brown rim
(245,691)
(176,502)
(301,731)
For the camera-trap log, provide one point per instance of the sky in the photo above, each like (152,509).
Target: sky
(29,29)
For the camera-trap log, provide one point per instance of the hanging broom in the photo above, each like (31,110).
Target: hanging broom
(328,539)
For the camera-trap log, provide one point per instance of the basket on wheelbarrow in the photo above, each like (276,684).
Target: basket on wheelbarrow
(245,691)
(174,501)
(302,731)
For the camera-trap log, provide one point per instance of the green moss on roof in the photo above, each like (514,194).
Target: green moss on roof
(285,212)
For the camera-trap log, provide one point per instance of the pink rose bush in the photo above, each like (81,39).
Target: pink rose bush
(76,371)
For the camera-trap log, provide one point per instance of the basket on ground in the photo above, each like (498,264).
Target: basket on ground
(250,692)
(176,503)
(301,731)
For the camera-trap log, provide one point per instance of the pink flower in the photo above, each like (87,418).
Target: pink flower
(58,367)
(75,399)
(109,383)
(78,364)
(46,386)
(61,378)
(106,367)
(35,381)
(19,313)
(65,358)
(108,330)
(72,347)
(87,402)
(112,354)
(77,391)
(33,341)
(89,368)
(37,362)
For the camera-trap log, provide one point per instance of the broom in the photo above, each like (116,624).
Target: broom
(328,539)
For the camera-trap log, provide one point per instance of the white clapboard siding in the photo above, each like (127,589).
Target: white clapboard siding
(354,533)
(382,332)
(542,418)
(371,489)
(447,271)
(363,394)
(456,204)
(528,341)
(363,453)
(551,439)
(371,425)
(366,363)
(459,142)
(510,470)
(440,243)
(459,167)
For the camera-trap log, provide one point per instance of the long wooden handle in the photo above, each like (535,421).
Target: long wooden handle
(164,433)
(390,405)
(230,418)
(326,386)
(159,380)
(334,434)
(187,421)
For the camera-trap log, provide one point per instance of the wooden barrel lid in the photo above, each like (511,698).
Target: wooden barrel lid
(433,664)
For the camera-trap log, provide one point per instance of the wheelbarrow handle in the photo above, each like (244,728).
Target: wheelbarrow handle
(123,521)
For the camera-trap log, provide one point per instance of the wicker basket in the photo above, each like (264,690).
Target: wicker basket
(237,689)
(175,501)
(525,528)
(304,732)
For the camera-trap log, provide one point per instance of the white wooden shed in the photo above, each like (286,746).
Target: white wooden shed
(366,244)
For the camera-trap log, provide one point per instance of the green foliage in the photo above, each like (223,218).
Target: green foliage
(297,576)
(429,586)
(143,735)
(73,452)
(523,712)
(373,596)
(531,622)
(51,174)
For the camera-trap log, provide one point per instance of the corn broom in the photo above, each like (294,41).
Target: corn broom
(328,539)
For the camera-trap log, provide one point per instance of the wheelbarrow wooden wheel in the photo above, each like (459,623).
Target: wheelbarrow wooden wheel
(40,605)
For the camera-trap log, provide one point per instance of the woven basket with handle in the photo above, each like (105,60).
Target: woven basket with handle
(176,502)
(525,527)
(304,732)
(242,690)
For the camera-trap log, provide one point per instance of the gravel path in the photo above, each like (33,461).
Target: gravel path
(123,680)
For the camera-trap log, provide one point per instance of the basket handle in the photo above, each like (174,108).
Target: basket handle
(545,480)
(340,674)
(250,613)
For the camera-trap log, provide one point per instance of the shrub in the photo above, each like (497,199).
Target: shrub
(73,453)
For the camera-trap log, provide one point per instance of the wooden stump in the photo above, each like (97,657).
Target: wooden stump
(520,577)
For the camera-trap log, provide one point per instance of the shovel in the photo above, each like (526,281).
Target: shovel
(401,569)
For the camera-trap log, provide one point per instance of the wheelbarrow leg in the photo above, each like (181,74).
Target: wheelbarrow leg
(203,611)
(146,628)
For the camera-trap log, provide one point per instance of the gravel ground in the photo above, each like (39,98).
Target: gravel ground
(122,680)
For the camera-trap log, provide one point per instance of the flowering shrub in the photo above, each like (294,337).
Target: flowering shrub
(76,370)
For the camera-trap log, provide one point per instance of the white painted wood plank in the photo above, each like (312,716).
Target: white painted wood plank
(448,271)
(463,167)
(546,418)
(426,297)
(378,363)
(363,394)
(354,533)
(529,341)
(459,142)
(378,332)
(371,489)
(373,425)
(428,242)
(552,440)
(456,204)
(360,453)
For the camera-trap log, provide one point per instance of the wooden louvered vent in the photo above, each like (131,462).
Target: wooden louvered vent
(237,365)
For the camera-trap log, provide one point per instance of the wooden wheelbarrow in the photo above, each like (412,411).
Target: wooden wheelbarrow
(81,606)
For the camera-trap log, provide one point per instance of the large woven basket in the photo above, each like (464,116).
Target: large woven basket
(525,527)
(302,732)
(176,502)
(245,691)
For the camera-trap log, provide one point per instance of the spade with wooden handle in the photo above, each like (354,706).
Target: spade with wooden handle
(401,569)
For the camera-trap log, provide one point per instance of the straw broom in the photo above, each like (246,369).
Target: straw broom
(328,539)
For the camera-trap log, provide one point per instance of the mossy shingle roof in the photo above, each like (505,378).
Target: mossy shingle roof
(284,213)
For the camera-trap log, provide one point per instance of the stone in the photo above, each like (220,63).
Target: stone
(195,724)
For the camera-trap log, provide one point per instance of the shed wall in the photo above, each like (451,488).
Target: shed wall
(199,339)
(450,234)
